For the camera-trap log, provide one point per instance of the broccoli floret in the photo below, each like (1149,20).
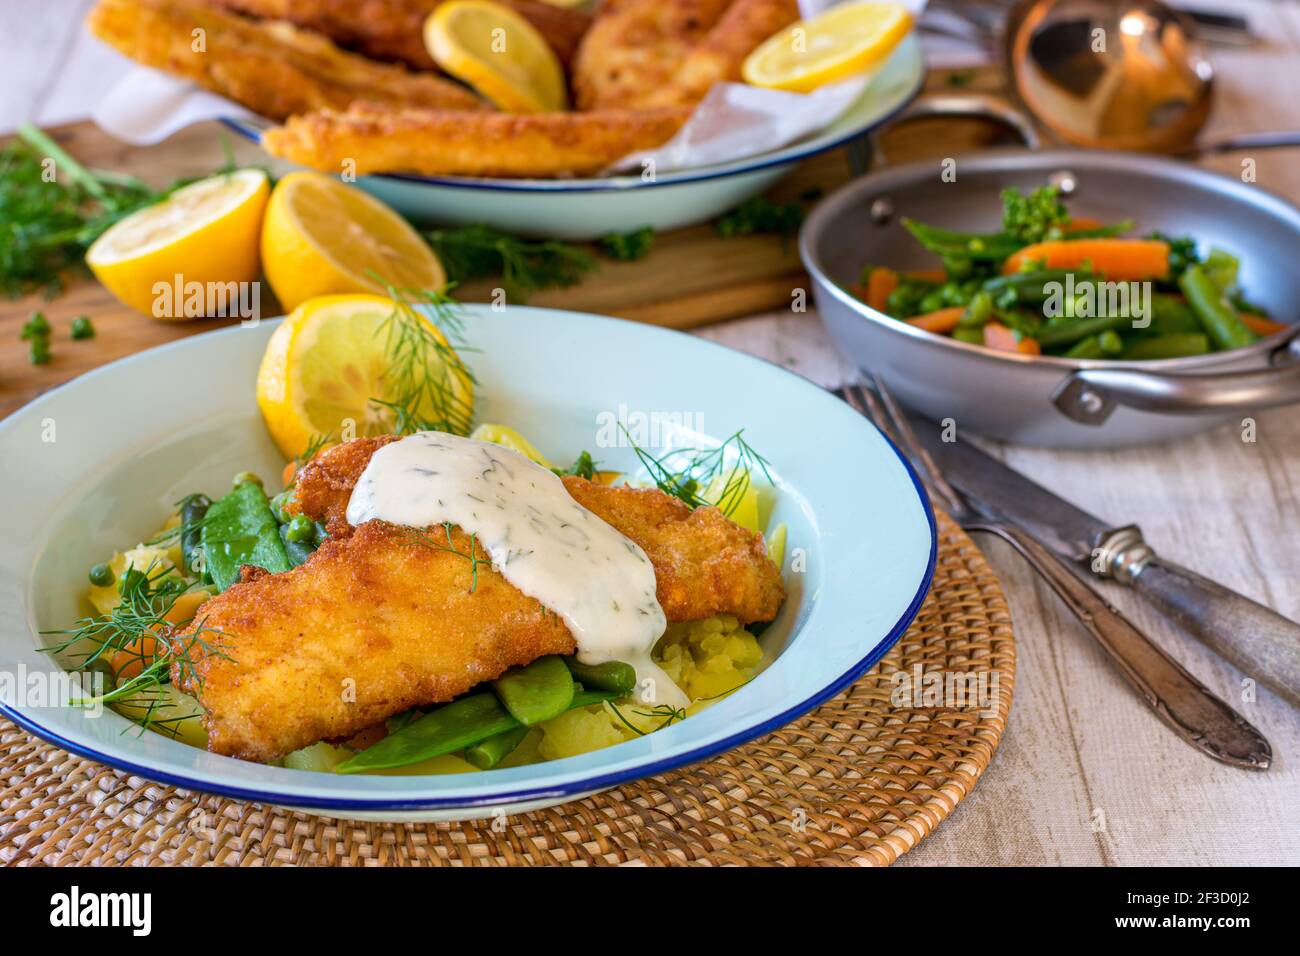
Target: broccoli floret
(1036,217)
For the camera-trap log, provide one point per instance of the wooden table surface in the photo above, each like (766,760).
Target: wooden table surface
(1086,774)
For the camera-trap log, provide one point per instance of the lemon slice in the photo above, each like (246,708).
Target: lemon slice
(508,437)
(204,233)
(497,52)
(322,237)
(332,356)
(846,39)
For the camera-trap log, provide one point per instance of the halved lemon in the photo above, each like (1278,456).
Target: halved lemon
(497,52)
(323,237)
(332,358)
(846,39)
(201,238)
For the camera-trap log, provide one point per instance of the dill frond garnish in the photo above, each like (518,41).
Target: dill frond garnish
(670,714)
(426,380)
(46,225)
(685,472)
(138,630)
(450,548)
(525,266)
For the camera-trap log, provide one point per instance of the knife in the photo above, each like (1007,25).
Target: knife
(1258,641)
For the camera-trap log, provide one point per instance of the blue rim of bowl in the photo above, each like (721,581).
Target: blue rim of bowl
(572,789)
(783,157)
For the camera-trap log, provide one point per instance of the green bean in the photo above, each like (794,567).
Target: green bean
(193,510)
(1053,335)
(968,335)
(537,692)
(486,754)
(239,529)
(1170,315)
(611,675)
(1089,348)
(1214,310)
(1176,345)
(455,726)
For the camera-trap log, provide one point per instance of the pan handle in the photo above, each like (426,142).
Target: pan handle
(865,153)
(1090,395)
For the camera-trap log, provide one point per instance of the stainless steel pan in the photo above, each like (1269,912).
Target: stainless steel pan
(1056,401)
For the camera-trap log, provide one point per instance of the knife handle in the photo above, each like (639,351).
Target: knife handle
(1260,642)
(1180,700)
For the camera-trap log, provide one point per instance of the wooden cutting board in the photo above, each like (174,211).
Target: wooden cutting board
(691,277)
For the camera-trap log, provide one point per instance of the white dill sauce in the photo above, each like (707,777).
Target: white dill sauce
(542,541)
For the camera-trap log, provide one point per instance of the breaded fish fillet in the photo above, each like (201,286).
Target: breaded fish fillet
(635,47)
(273,68)
(381,619)
(393,30)
(719,56)
(454,143)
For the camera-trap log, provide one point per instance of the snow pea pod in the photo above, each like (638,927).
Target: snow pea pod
(193,509)
(612,675)
(239,529)
(462,723)
(537,692)
(486,754)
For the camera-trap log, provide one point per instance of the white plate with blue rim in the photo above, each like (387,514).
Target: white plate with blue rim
(98,463)
(581,209)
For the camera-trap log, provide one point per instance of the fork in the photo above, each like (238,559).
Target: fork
(1178,698)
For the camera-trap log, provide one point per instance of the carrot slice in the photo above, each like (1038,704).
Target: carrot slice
(928,275)
(1261,325)
(998,336)
(287,475)
(940,321)
(1079,223)
(1120,260)
(880,284)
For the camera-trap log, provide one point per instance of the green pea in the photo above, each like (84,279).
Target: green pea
(101,576)
(277,506)
(1110,342)
(299,528)
(244,477)
(82,328)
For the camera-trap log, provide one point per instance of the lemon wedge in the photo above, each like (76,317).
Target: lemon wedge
(844,40)
(323,237)
(497,52)
(329,359)
(204,233)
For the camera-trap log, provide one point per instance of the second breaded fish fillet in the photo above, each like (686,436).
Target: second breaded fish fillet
(454,143)
(271,67)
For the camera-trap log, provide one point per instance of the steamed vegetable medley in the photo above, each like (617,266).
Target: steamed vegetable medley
(1054,284)
(554,707)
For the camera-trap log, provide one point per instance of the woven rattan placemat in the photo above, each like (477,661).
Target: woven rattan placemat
(860,780)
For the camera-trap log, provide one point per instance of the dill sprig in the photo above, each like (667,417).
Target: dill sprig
(147,598)
(450,548)
(426,376)
(525,266)
(47,225)
(685,472)
(670,714)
